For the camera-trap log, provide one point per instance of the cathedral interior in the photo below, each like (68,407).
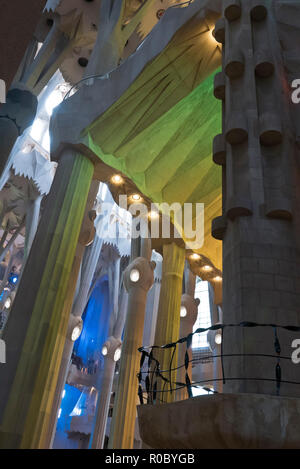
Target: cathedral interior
(150,224)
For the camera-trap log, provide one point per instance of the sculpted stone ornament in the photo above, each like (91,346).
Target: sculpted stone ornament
(140,273)
(87,233)
(111,348)
(191,305)
(138,279)
(188,317)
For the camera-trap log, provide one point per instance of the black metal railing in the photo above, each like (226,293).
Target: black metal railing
(155,382)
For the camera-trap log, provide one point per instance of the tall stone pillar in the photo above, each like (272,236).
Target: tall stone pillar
(112,347)
(258,154)
(138,279)
(188,317)
(111,351)
(32,221)
(168,317)
(36,330)
(87,264)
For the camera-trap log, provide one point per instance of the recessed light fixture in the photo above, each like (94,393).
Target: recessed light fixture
(136,197)
(153,215)
(218,339)
(207,268)
(195,257)
(218,278)
(183,312)
(104,350)
(76,332)
(7,303)
(117,354)
(134,275)
(117,179)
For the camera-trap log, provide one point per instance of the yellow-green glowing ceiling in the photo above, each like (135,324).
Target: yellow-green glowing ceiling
(170,160)
(160,132)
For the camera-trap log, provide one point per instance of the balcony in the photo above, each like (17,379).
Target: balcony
(222,421)
(171,418)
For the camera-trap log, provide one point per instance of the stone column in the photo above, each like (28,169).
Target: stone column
(87,266)
(214,339)
(110,359)
(112,346)
(168,317)
(32,221)
(36,330)
(258,152)
(138,279)
(188,317)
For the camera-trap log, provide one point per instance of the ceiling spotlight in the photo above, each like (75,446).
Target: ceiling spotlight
(117,179)
(136,197)
(7,303)
(153,215)
(218,278)
(183,312)
(104,350)
(195,257)
(207,268)
(76,331)
(134,275)
(218,339)
(117,354)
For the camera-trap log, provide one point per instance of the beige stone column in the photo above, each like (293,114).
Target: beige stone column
(111,351)
(188,317)
(168,318)
(138,279)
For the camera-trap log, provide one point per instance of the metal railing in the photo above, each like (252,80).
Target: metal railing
(155,382)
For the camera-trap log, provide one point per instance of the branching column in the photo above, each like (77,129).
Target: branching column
(188,317)
(138,279)
(112,346)
(36,330)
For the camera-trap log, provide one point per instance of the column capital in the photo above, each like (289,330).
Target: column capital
(139,274)
(110,347)
(189,306)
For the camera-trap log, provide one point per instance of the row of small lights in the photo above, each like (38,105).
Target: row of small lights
(206,268)
(118,180)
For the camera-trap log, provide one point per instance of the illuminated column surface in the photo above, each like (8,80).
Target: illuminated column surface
(138,279)
(36,330)
(168,317)
(87,267)
(188,317)
(111,351)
